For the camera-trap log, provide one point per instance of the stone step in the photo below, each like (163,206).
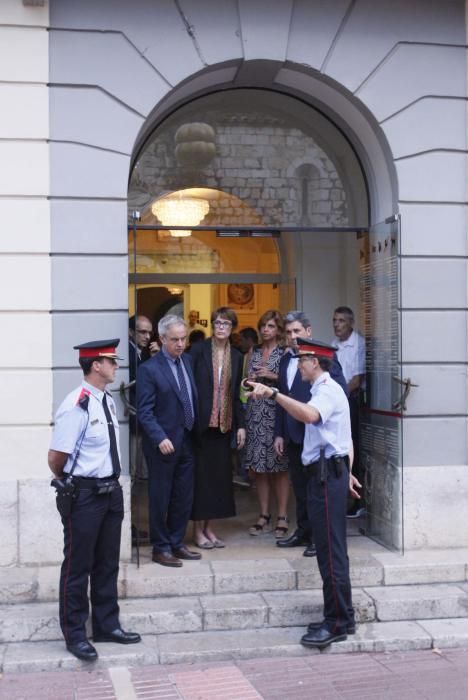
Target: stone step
(370,566)
(28,585)
(149,616)
(419,602)
(247,643)
(37,622)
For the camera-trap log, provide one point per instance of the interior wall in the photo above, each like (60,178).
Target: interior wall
(199,298)
(329,268)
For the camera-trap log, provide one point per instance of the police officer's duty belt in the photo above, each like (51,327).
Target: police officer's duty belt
(325,466)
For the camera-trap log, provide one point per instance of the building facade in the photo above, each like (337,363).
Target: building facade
(361,108)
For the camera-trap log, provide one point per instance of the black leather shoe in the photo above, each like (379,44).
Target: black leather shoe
(118,636)
(185,553)
(310,550)
(294,541)
(321,638)
(166,559)
(83,650)
(313,626)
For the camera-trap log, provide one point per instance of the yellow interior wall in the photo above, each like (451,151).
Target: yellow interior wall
(240,255)
(199,298)
(206,297)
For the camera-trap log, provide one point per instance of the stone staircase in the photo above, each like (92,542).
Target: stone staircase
(245,601)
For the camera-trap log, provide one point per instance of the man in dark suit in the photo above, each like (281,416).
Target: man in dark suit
(289,432)
(140,330)
(166,410)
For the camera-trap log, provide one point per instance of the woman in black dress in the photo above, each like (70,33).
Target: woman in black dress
(217,368)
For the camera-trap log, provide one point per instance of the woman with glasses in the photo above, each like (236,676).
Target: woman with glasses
(217,368)
(271,470)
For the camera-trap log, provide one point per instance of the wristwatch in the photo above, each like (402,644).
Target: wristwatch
(275,393)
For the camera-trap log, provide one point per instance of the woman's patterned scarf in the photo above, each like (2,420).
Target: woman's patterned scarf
(221,412)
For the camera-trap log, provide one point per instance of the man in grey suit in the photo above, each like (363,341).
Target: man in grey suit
(167,412)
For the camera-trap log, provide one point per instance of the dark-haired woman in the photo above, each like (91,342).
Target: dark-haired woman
(217,368)
(271,470)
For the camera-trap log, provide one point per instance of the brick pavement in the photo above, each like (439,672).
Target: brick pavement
(410,675)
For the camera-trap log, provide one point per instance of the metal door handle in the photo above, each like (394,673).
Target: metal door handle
(123,388)
(400,405)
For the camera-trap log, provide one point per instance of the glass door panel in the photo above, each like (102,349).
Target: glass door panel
(381,414)
(202,252)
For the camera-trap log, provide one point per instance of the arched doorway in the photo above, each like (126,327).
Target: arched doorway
(273,161)
(283,209)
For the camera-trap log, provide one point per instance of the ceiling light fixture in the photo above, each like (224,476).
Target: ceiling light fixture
(180,210)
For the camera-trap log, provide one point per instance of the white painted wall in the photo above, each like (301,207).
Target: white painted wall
(393,73)
(25,289)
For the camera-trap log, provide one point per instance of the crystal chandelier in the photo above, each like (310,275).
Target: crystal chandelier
(180,210)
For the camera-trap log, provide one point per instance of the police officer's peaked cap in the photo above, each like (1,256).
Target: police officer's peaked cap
(99,348)
(315,348)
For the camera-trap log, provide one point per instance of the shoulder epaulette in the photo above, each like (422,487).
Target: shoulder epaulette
(84,392)
(83,399)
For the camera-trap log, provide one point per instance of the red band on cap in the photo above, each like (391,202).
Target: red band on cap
(96,352)
(316,351)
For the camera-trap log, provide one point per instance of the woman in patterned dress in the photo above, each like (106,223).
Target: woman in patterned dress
(271,471)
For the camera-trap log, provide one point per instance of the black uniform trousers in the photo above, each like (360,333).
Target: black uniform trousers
(299,480)
(327,512)
(170,483)
(91,555)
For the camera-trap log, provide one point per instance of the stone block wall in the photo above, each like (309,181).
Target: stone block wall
(278,171)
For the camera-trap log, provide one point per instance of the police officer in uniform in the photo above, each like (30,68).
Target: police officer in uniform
(84,457)
(326,456)
(289,433)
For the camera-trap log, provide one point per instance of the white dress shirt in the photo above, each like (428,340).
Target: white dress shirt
(73,423)
(333,432)
(291,369)
(351,355)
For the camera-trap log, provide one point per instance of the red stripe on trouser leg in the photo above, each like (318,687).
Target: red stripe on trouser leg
(65,583)
(330,556)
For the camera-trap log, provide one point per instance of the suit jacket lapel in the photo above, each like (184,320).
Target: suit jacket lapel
(167,371)
(297,377)
(297,381)
(283,367)
(208,358)
(188,369)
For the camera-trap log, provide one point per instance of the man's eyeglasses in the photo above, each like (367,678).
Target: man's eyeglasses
(222,324)
(143,332)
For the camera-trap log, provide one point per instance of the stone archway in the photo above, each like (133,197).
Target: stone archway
(342,110)
(90,162)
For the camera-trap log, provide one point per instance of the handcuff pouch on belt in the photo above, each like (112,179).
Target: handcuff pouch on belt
(103,487)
